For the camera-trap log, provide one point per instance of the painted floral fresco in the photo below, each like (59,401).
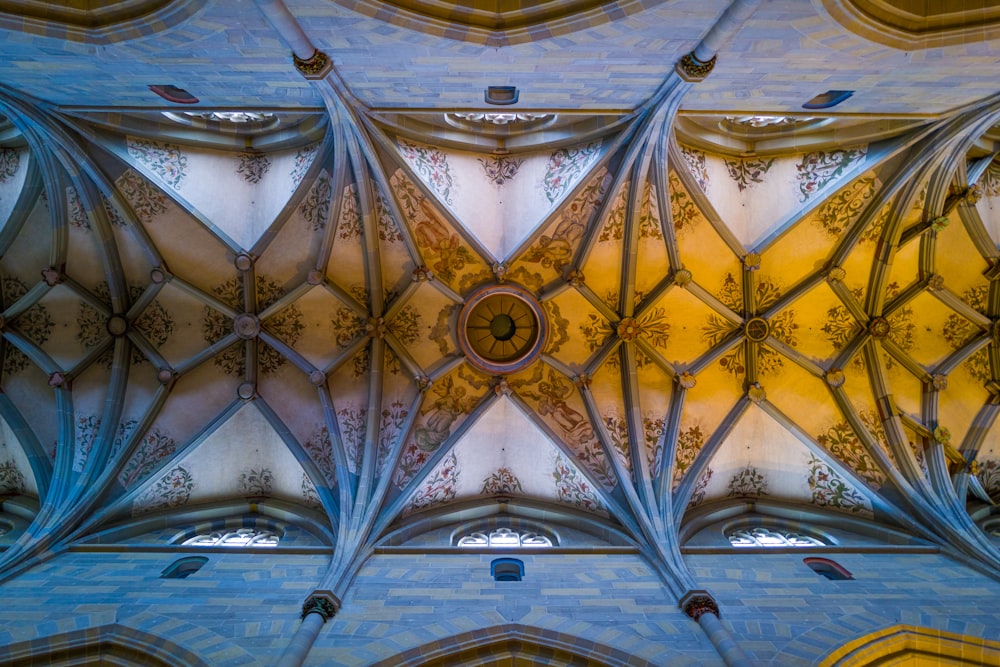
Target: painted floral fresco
(286,324)
(87,428)
(618,432)
(303,160)
(310,496)
(145,198)
(431,165)
(349,224)
(689,443)
(171,490)
(115,216)
(652,433)
(555,250)
(347,326)
(10,159)
(501,482)
(256,482)
(683,212)
(748,483)
(35,323)
(444,251)
(155,447)
(782,327)
(565,166)
(353,422)
(651,325)
(74,209)
(439,488)
(252,166)
(747,172)
(155,324)
(698,493)
(843,443)
(830,490)
(572,487)
(842,209)
(558,327)
(649,225)
(500,169)
(163,159)
(316,206)
(958,331)
(390,430)
(11,479)
(388,230)
(697,164)
(320,450)
(819,168)
(437,418)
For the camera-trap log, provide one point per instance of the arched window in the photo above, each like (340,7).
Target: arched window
(183,567)
(243,537)
(504,538)
(767,537)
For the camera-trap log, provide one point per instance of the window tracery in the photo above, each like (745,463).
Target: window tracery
(504,538)
(766,537)
(243,537)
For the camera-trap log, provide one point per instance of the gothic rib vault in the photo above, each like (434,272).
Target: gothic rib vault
(211,313)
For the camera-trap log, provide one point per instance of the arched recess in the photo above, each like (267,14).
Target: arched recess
(107,644)
(914,24)
(516,645)
(901,644)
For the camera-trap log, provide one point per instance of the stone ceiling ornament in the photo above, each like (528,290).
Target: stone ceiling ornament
(502,329)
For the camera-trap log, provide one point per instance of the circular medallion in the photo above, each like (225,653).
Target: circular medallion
(501,328)
(757,329)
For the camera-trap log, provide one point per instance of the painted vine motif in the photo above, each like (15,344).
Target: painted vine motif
(163,159)
(683,211)
(830,490)
(87,428)
(698,493)
(689,443)
(499,168)
(154,323)
(10,159)
(252,166)
(11,479)
(349,223)
(35,323)
(171,490)
(74,209)
(310,496)
(320,450)
(347,325)
(432,165)
(558,327)
(388,230)
(115,216)
(748,483)
(819,168)
(406,325)
(390,431)
(572,487)
(696,163)
(303,160)
(842,209)
(444,250)
(652,326)
(564,166)
(316,206)
(155,447)
(958,331)
(440,488)
(843,443)
(652,434)
(648,224)
(747,172)
(782,327)
(145,198)
(353,422)
(618,432)
(502,482)
(256,482)
(286,324)
(555,250)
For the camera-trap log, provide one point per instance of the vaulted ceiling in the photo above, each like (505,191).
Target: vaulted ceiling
(682,300)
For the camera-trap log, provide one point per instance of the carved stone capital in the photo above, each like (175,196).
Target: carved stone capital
(323,603)
(316,66)
(693,70)
(686,380)
(696,603)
